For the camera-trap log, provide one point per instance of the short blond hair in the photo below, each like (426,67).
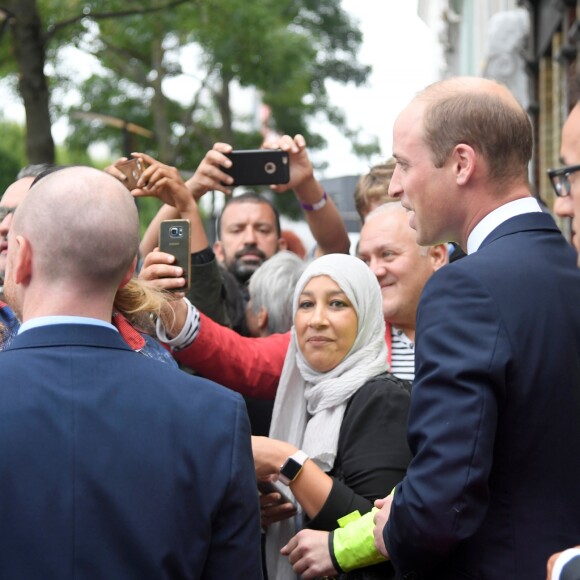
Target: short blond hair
(373,187)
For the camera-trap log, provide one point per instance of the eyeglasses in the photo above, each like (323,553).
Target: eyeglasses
(4,211)
(559,178)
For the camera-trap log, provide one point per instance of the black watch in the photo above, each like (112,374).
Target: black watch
(292,467)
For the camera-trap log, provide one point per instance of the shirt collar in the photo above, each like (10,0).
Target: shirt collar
(50,320)
(497,217)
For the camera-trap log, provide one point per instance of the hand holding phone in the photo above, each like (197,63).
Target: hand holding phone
(132,169)
(272,511)
(174,239)
(269,487)
(258,167)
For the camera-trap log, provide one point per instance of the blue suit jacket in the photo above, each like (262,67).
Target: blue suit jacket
(113,465)
(494,425)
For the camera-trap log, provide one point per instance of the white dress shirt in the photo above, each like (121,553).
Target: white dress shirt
(497,217)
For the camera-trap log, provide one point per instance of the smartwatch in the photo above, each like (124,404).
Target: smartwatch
(292,467)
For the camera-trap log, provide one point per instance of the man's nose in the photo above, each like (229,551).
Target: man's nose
(377,266)
(250,236)
(564,207)
(395,187)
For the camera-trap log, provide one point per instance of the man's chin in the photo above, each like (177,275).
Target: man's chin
(244,270)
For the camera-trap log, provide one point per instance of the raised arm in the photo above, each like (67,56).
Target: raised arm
(207,288)
(322,215)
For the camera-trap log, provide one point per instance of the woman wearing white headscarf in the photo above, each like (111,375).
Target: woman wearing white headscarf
(338,434)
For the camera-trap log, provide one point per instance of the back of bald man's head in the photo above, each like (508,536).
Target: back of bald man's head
(82,225)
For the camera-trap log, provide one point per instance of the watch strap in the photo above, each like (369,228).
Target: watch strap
(292,467)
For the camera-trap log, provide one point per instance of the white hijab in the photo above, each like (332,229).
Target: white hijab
(310,405)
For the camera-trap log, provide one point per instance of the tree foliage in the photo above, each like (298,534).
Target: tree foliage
(284,49)
(12,153)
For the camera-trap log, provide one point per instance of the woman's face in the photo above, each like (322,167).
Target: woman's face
(326,324)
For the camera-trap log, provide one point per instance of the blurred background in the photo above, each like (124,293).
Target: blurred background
(87,82)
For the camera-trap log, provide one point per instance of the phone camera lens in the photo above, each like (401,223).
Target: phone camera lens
(270,167)
(175,232)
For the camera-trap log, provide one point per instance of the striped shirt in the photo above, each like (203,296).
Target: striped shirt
(402,355)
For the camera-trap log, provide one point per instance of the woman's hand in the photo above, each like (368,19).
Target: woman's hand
(163,182)
(269,455)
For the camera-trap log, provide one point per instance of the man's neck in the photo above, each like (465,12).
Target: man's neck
(66,303)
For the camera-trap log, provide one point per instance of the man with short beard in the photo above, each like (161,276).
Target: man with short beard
(248,234)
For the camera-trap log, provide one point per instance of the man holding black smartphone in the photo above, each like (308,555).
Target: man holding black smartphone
(249,225)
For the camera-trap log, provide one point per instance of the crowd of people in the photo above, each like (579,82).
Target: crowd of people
(404,412)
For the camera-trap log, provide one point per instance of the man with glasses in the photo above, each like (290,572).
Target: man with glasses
(566,180)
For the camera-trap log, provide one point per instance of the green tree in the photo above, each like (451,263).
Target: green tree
(286,49)
(12,153)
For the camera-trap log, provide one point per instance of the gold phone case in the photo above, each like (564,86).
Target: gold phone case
(174,238)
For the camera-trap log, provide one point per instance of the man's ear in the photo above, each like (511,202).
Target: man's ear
(218,251)
(439,256)
(129,273)
(464,161)
(282,244)
(22,261)
(262,318)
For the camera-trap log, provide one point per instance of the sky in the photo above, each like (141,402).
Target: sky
(404,56)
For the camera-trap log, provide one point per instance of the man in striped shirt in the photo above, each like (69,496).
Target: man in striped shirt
(389,247)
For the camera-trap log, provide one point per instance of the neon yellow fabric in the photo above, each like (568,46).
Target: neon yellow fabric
(354,544)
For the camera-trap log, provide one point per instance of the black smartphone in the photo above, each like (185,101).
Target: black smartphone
(266,487)
(174,238)
(259,166)
(132,170)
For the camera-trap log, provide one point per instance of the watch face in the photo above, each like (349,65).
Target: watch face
(291,468)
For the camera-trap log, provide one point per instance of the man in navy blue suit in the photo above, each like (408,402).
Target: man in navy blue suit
(112,465)
(492,489)
(565,565)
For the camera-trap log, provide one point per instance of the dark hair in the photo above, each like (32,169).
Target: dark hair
(33,170)
(248,197)
(48,170)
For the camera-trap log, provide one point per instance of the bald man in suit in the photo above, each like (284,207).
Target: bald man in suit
(113,465)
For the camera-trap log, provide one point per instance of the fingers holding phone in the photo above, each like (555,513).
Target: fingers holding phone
(131,170)
(163,182)
(159,268)
(275,506)
(300,166)
(211,172)
(175,239)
